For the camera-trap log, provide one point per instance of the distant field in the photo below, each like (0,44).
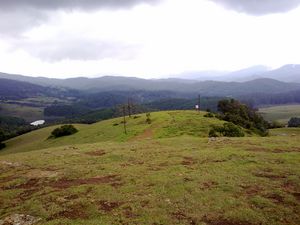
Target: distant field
(280,113)
(30,109)
(28,113)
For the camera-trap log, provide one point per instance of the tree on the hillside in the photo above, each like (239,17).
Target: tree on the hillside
(2,138)
(294,122)
(124,119)
(242,115)
(129,107)
(148,118)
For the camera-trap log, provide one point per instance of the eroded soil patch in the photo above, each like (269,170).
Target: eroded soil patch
(37,183)
(297,195)
(275,198)
(277,150)
(208,185)
(128,212)
(183,217)
(31,183)
(188,161)
(96,153)
(251,190)
(269,175)
(221,221)
(109,206)
(73,212)
(114,180)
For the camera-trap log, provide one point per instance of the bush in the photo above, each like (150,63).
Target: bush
(213,133)
(242,115)
(294,122)
(227,130)
(148,120)
(2,138)
(2,145)
(276,124)
(63,131)
(209,115)
(231,130)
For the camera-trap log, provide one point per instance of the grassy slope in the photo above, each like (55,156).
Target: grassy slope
(164,124)
(280,113)
(149,180)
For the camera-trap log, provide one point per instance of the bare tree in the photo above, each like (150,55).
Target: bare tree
(129,107)
(199,102)
(124,119)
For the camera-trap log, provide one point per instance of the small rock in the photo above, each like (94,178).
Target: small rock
(19,219)
(11,164)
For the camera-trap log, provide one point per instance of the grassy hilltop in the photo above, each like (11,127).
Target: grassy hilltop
(163,124)
(166,172)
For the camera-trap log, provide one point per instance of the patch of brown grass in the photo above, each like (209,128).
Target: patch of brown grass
(109,206)
(96,153)
(114,180)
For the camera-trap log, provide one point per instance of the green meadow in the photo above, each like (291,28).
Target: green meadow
(282,113)
(166,172)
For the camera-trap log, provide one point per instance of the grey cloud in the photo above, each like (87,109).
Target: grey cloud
(13,23)
(259,7)
(17,16)
(70,4)
(78,49)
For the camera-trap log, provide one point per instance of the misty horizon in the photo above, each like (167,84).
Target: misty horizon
(252,72)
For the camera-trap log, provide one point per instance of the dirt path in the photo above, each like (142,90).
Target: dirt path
(147,134)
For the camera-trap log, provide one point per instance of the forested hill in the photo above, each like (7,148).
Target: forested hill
(14,90)
(10,89)
(207,88)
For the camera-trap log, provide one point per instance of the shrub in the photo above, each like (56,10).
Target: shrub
(2,145)
(2,138)
(213,133)
(209,115)
(63,131)
(231,130)
(276,124)
(294,122)
(148,120)
(242,115)
(227,130)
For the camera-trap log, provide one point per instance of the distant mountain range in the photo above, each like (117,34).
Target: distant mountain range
(14,90)
(205,88)
(287,73)
(79,97)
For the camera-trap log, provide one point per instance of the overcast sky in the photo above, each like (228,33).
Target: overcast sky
(145,38)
